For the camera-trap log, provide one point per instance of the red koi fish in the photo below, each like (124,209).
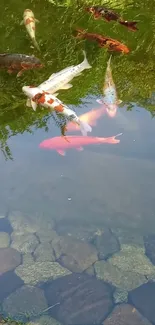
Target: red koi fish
(102,12)
(103,41)
(60,144)
(90,117)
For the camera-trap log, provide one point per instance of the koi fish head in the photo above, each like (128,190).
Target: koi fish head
(30,91)
(111,109)
(28,12)
(90,9)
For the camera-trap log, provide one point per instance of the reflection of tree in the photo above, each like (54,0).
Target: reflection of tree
(133,73)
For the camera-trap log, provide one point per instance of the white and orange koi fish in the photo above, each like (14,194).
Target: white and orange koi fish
(29,22)
(110,98)
(47,100)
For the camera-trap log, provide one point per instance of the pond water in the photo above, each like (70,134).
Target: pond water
(77,232)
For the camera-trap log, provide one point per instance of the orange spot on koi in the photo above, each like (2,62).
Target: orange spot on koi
(59,108)
(50,101)
(39,98)
(29,20)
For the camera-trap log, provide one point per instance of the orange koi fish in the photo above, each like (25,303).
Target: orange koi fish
(60,144)
(102,12)
(103,41)
(29,22)
(90,117)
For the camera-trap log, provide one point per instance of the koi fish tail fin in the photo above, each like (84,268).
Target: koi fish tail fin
(80,33)
(84,127)
(112,140)
(36,44)
(109,61)
(85,62)
(129,24)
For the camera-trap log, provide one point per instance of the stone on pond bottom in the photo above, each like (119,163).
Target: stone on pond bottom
(9,259)
(143,298)
(9,282)
(125,314)
(4,239)
(83,299)
(40,272)
(74,254)
(24,302)
(106,244)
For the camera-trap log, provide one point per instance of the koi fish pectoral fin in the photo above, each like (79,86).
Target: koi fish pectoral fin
(37,21)
(28,102)
(119,101)
(100,101)
(67,86)
(79,149)
(61,152)
(22,23)
(34,105)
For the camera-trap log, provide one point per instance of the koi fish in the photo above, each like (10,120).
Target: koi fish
(60,144)
(18,62)
(102,12)
(29,21)
(61,79)
(90,117)
(110,99)
(103,41)
(51,102)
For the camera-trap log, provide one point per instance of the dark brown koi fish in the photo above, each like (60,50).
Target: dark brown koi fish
(18,63)
(103,41)
(102,12)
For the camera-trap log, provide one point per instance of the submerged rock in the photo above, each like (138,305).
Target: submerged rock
(27,259)
(83,233)
(9,259)
(149,242)
(44,320)
(106,244)
(121,279)
(143,298)
(25,302)
(128,237)
(76,255)
(40,272)
(24,243)
(83,299)
(126,314)
(132,258)
(5,225)
(44,252)
(46,235)
(4,239)
(90,270)
(9,282)
(120,295)
(25,223)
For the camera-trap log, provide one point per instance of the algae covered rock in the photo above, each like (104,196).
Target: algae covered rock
(120,295)
(46,235)
(25,302)
(106,244)
(4,239)
(76,255)
(121,279)
(126,314)
(24,243)
(44,252)
(44,320)
(128,237)
(40,272)
(132,258)
(9,259)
